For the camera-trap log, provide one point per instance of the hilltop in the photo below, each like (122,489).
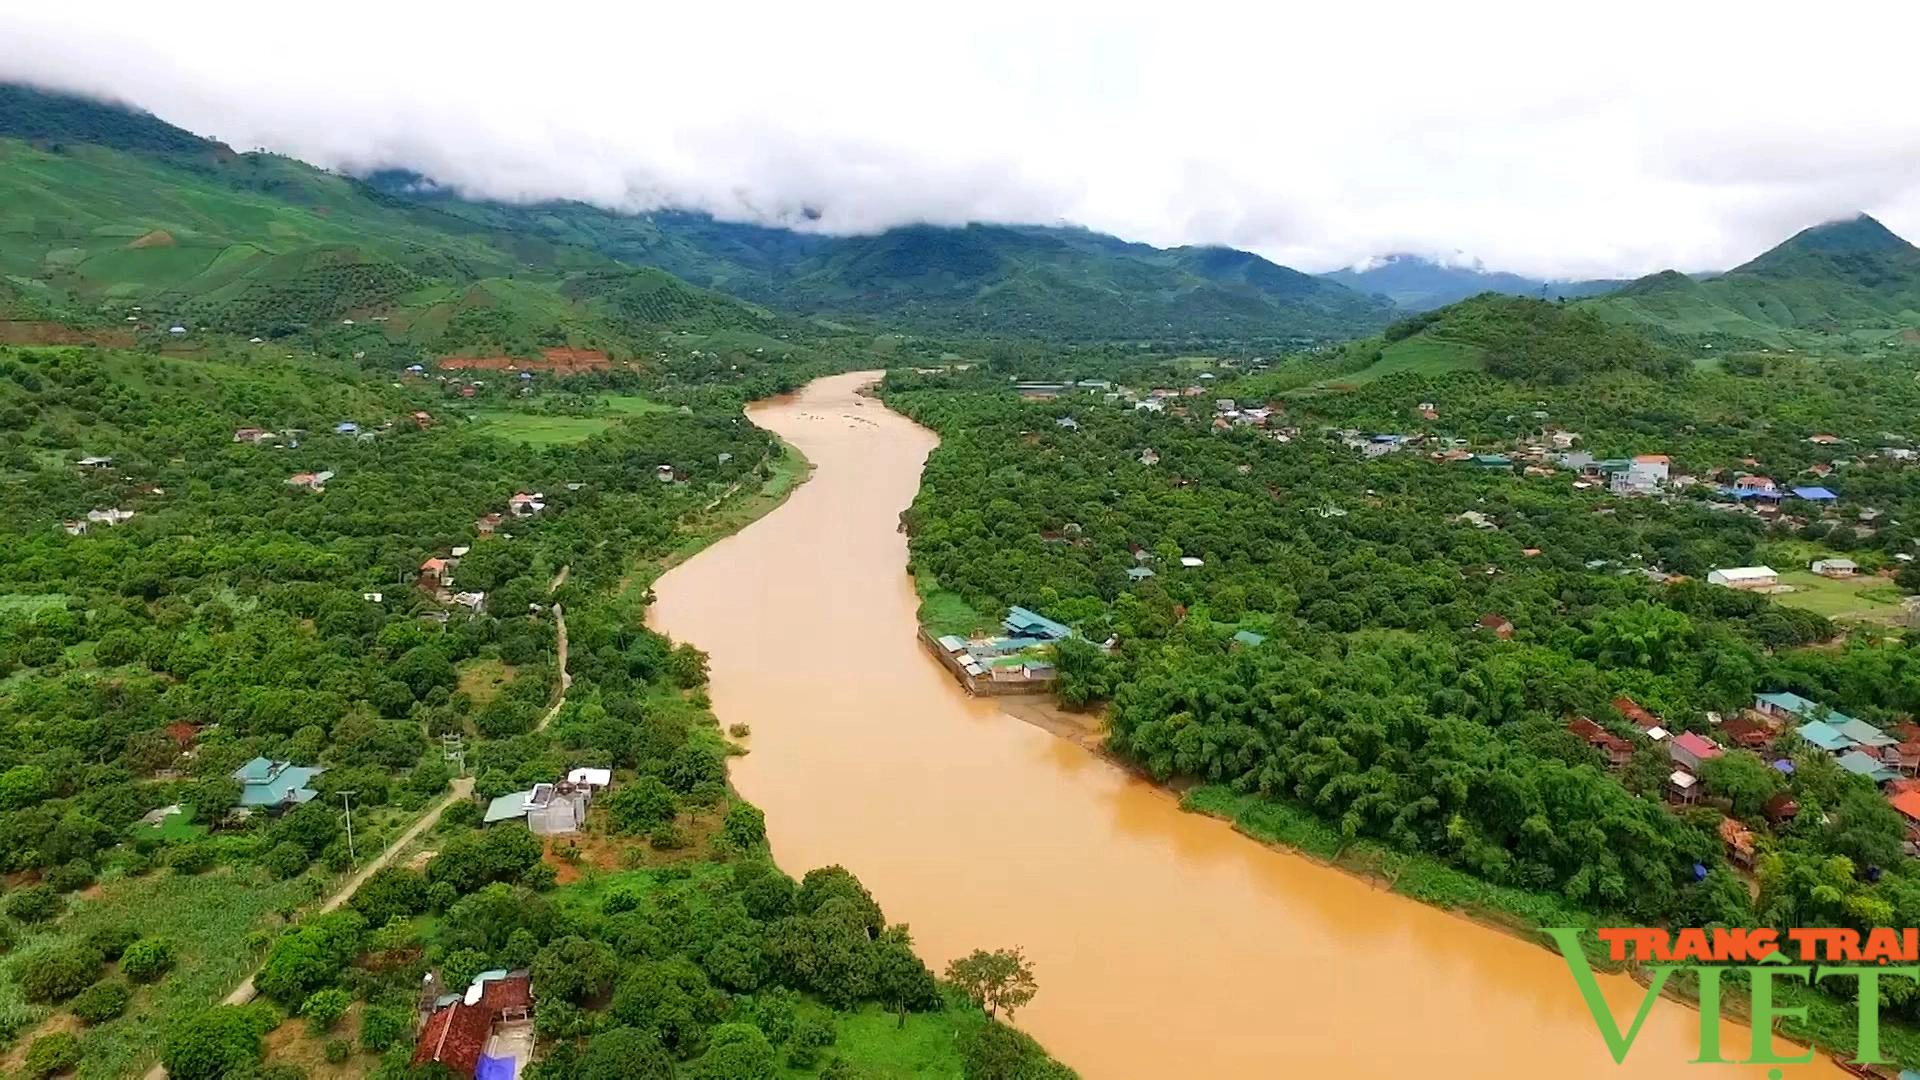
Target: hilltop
(1419,284)
(1850,277)
(114,221)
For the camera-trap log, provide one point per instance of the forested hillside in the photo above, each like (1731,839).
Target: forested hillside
(1392,637)
(1849,281)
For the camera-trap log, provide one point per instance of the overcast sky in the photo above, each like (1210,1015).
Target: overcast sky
(1544,138)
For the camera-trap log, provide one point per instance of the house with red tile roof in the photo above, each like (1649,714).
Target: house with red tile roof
(1617,749)
(1636,715)
(462,1027)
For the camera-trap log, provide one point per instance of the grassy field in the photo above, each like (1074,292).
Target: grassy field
(542,430)
(208,917)
(1858,598)
(943,612)
(482,678)
(1426,355)
(173,829)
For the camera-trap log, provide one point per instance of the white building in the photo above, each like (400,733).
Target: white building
(1745,577)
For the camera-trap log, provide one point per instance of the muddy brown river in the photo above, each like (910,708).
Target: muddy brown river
(1165,944)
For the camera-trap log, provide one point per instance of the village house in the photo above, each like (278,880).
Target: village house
(1689,750)
(485,525)
(422,420)
(346,427)
(1835,568)
(547,809)
(1639,717)
(111,516)
(1683,787)
(475,602)
(74,528)
(274,785)
(1908,804)
(1498,625)
(1823,439)
(1744,577)
(1747,734)
(435,574)
(95,461)
(524,505)
(250,434)
(1616,749)
(315,482)
(485,1033)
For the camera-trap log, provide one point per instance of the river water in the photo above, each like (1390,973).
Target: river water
(1165,944)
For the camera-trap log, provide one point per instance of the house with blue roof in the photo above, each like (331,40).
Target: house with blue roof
(1022,623)
(275,785)
(1825,736)
(1862,733)
(1815,494)
(1248,639)
(1861,763)
(1786,705)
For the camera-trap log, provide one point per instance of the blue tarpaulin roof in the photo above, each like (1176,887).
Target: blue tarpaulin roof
(493,1068)
(1815,494)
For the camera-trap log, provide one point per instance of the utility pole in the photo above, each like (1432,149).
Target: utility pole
(344,796)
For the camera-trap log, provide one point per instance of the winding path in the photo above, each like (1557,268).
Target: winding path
(462,788)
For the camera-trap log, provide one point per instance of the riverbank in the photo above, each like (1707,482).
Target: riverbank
(1832,1026)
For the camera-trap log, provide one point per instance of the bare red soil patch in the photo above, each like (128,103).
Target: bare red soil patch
(156,238)
(560,361)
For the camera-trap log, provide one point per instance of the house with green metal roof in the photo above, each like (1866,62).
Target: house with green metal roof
(1825,736)
(1248,638)
(1862,732)
(1861,763)
(275,784)
(1022,623)
(1790,706)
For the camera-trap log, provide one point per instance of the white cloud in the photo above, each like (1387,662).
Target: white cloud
(1541,139)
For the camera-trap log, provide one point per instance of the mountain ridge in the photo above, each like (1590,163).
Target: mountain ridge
(1417,283)
(1850,275)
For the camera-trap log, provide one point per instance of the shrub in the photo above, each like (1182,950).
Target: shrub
(112,940)
(216,1042)
(745,826)
(668,837)
(736,1052)
(34,904)
(70,876)
(59,973)
(285,860)
(812,1033)
(392,892)
(310,955)
(324,1008)
(8,935)
(383,1026)
(100,1002)
(641,806)
(337,1051)
(196,857)
(147,959)
(53,1054)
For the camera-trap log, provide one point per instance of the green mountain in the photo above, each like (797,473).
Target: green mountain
(1843,278)
(112,219)
(1419,284)
(979,279)
(1515,337)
